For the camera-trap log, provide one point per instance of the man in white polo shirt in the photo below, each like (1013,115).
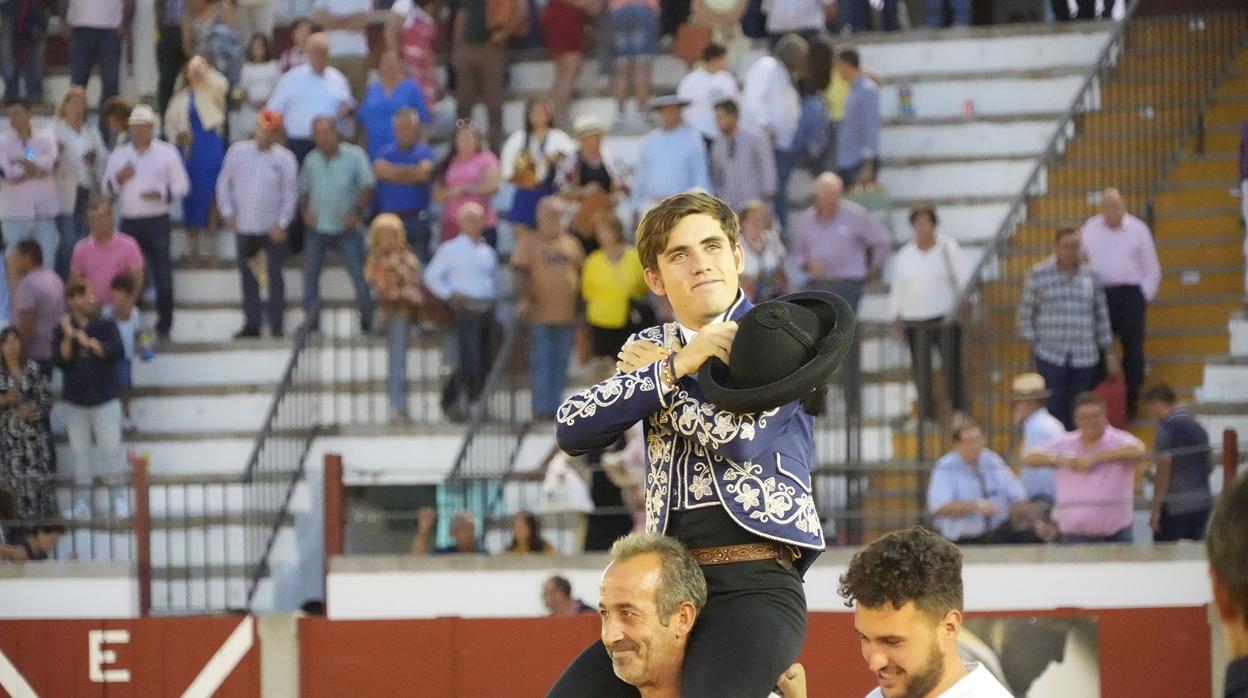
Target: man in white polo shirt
(345,23)
(95,30)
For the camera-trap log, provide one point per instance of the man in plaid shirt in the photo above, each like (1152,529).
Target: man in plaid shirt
(1064,316)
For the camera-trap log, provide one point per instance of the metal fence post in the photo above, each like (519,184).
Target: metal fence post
(142,531)
(335,508)
(1230,456)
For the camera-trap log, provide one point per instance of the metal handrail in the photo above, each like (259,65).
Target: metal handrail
(479,414)
(279,396)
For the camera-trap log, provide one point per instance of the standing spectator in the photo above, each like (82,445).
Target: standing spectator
(170,54)
(115,116)
(255,85)
(530,159)
(300,30)
(464,272)
(557,598)
(928,275)
(634,38)
(526,536)
(611,283)
(195,121)
(1062,314)
(37,543)
(38,302)
(79,169)
(29,200)
(839,245)
(1243,187)
(88,348)
(479,56)
(812,141)
(672,159)
(973,494)
(773,106)
(705,87)
(960,11)
(858,136)
(806,18)
(1039,428)
(25,437)
(1227,551)
(564,24)
(548,280)
(106,252)
(256,194)
(404,169)
(593,178)
(764,277)
(345,23)
(468,174)
(857,15)
(1120,249)
(254,17)
(208,32)
(307,91)
(384,98)
(1095,477)
(412,31)
(146,174)
(743,164)
(95,31)
(23,30)
(1181,498)
(336,187)
(121,310)
(394,273)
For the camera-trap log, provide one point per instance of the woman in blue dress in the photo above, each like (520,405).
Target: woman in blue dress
(195,121)
(392,91)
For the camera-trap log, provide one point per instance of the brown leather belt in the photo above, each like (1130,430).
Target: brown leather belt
(746,552)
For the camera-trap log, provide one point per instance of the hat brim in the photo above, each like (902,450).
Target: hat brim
(837,319)
(1039,395)
(659,104)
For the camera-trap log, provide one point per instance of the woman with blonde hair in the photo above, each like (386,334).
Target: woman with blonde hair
(613,285)
(79,170)
(195,122)
(393,271)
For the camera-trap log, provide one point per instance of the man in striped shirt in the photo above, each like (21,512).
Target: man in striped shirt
(1063,315)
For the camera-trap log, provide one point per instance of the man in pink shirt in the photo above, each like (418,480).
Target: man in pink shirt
(1120,249)
(1095,477)
(106,253)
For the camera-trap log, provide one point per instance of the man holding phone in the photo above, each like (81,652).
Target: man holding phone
(28,197)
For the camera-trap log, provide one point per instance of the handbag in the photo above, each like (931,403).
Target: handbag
(1114,392)
(563,489)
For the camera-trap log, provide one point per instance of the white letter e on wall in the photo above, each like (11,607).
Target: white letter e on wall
(97,656)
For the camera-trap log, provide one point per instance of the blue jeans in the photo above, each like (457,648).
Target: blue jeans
(1123,536)
(784,168)
(1064,383)
(858,16)
(89,47)
(419,234)
(936,12)
(549,349)
(350,246)
(397,332)
(42,230)
(72,229)
(152,234)
(11,46)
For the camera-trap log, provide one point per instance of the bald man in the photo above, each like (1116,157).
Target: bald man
(1120,249)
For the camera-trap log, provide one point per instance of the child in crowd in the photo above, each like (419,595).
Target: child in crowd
(299,33)
(129,322)
(259,77)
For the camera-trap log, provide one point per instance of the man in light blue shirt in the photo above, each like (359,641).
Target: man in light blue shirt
(672,159)
(336,188)
(972,494)
(858,137)
(1039,428)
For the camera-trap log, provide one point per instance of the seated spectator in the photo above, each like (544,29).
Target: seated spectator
(974,497)
(393,271)
(38,302)
(464,272)
(593,178)
(255,85)
(37,544)
(928,276)
(1181,498)
(613,284)
(106,252)
(557,598)
(88,349)
(468,174)
(29,199)
(412,30)
(79,169)
(195,122)
(463,532)
(345,23)
(633,37)
(743,163)
(26,449)
(296,55)
(858,135)
(336,188)
(1095,478)
(404,171)
(121,310)
(706,86)
(1039,428)
(764,277)
(530,161)
(526,536)
(564,25)
(392,92)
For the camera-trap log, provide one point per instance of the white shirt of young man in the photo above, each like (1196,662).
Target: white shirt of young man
(978,683)
(345,42)
(703,90)
(96,14)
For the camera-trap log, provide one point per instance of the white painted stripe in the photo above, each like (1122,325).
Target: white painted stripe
(236,646)
(12,681)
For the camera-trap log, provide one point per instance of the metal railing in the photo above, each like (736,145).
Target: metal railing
(1129,123)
